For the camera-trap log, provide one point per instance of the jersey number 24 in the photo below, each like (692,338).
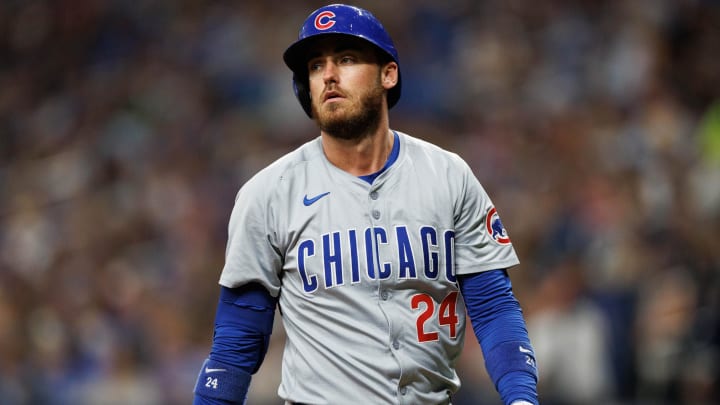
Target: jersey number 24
(446,316)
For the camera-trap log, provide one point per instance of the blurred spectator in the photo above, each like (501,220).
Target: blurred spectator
(571,335)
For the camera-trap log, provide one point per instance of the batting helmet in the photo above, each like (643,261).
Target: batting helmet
(333,20)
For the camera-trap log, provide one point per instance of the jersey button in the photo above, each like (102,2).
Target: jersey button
(396,345)
(403,390)
(384,295)
(376,214)
(374,195)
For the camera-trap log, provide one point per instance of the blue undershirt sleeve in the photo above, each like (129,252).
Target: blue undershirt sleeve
(243,325)
(497,320)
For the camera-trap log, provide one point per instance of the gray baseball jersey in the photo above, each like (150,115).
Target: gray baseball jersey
(366,274)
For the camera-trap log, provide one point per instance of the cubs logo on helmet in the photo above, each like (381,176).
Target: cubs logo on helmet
(324,20)
(495,228)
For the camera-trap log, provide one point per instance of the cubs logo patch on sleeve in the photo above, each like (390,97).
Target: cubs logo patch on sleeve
(495,228)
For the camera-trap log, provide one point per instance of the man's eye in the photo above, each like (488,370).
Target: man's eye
(315,67)
(346,59)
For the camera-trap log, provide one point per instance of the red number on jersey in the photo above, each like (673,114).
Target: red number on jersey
(447,315)
(415,302)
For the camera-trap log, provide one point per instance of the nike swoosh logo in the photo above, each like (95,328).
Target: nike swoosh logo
(524,350)
(214,370)
(310,201)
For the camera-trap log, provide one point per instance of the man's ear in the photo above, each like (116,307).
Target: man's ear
(389,75)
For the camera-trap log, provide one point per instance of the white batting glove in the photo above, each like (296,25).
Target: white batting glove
(521,403)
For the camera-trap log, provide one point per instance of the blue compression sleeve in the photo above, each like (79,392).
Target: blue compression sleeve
(499,326)
(243,324)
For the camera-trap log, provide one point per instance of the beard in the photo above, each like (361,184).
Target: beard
(358,121)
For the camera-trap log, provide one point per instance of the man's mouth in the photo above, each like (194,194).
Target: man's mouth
(332,95)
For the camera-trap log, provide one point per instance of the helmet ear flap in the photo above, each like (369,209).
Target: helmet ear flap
(302,92)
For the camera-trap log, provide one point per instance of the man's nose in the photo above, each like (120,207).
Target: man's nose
(330,72)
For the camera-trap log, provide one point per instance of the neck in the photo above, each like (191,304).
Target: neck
(361,156)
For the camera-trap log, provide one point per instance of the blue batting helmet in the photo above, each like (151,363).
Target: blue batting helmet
(333,20)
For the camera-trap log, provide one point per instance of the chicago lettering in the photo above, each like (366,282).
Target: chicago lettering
(338,258)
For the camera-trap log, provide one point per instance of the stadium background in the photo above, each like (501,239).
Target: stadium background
(126,128)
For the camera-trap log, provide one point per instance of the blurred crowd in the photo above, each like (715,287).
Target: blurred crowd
(127,127)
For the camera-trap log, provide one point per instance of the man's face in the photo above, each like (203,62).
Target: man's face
(345,87)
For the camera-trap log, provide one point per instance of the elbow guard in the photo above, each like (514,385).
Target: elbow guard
(243,325)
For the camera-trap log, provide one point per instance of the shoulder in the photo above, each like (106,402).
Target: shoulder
(258,198)
(426,153)
(281,171)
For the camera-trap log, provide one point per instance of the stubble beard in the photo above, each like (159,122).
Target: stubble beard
(355,123)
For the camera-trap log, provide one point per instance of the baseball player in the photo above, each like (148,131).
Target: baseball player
(373,244)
